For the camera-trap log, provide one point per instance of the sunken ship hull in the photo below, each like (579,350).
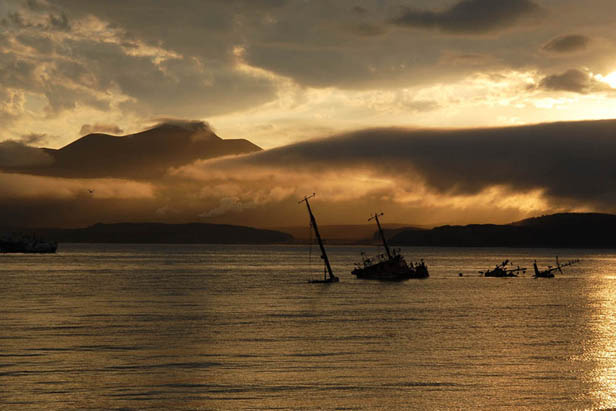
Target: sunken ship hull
(549,272)
(502,271)
(394,269)
(499,274)
(544,274)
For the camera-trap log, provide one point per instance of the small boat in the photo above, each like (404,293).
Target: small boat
(501,270)
(392,267)
(327,269)
(26,244)
(549,272)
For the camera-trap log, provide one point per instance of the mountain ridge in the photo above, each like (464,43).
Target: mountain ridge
(144,155)
(562,230)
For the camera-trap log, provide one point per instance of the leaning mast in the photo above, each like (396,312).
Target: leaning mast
(378,224)
(313,221)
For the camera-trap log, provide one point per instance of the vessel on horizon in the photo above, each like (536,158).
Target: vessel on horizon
(392,267)
(29,244)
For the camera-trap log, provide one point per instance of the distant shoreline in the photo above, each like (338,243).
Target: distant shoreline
(358,245)
(566,230)
(159,233)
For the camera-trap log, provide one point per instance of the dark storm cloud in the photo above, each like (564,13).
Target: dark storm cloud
(18,71)
(178,86)
(471,16)
(200,59)
(571,161)
(575,81)
(567,44)
(312,45)
(190,71)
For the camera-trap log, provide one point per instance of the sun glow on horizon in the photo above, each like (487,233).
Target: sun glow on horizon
(610,79)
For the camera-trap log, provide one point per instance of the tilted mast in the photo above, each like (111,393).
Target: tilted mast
(313,221)
(378,224)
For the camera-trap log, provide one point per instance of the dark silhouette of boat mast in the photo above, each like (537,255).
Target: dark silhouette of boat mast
(313,221)
(378,224)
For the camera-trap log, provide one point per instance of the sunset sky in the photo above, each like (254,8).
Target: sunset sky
(371,104)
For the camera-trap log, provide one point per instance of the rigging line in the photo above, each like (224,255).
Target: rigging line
(310,241)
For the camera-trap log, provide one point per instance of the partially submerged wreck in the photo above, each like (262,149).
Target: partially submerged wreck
(392,267)
(502,270)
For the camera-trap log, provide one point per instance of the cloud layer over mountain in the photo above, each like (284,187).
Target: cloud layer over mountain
(568,161)
(423,176)
(559,166)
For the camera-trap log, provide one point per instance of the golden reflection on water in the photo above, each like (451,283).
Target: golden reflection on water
(193,327)
(601,350)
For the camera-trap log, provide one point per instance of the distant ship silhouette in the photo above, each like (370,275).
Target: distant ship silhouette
(30,244)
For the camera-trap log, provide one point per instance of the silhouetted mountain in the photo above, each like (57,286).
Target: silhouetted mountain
(574,230)
(148,154)
(164,233)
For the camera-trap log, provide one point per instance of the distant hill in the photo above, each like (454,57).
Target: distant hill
(341,234)
(565,230)
(148,154)
(164,233)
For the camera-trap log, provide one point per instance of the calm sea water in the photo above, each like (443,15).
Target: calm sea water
(227,327)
